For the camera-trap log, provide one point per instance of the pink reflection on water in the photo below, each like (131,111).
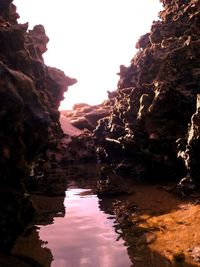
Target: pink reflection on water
(84,237)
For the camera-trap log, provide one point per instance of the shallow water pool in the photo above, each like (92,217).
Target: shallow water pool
(85,236)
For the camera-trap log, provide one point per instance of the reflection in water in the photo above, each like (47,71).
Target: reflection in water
(85,236)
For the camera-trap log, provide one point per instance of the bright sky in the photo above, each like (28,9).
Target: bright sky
(90,39)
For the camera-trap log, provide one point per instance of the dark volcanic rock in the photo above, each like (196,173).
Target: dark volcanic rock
(84,116)
(156,98)
(111,184)
(30,94)
(190,150)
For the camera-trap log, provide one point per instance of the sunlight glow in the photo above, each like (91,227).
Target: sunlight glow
(90,39)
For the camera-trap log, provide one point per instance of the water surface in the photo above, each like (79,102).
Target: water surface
(85,237)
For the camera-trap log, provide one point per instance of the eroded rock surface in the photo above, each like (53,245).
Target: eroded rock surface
(30,94)
(154,103)
(84,116)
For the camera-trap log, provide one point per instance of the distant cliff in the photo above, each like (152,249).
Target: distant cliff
(153,130)
(30,94)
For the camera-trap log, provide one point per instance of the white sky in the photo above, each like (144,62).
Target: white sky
(90,39)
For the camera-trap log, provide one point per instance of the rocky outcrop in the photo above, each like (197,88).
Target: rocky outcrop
(30,94)
(84,116)
(189,151)
(148,128)
(155,100)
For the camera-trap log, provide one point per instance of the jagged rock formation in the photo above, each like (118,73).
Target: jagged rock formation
(84,116)
(30,94)
(190,149)
(147,130)
(150,125)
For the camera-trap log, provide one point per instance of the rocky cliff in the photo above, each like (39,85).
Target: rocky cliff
(30,94)
(150,128)
(153,129)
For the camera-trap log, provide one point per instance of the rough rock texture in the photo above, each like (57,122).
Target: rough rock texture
(147,130)
(30,93)
(190,151)
(84,116)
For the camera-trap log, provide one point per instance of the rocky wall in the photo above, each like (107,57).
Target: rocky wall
(156,98)
(30,94)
